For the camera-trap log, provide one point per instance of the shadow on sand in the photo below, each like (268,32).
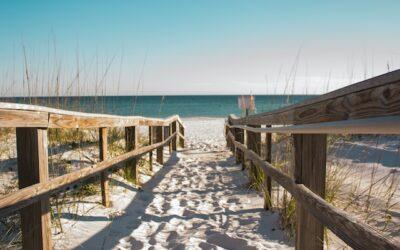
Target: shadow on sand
(140,202)
(364,153)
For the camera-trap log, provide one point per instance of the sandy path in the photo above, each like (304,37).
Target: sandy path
(198,200)
(201,202)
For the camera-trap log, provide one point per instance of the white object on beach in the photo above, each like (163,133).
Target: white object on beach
(246,102)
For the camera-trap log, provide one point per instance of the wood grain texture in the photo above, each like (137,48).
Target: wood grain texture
(182,136)
(33,193)
(239,136)
(19,118)
(309,170)
(232,147)
(131,143)
(351,230)
(158,130)
(226,130)
(387,125)
(151,139)
(173,130)
(229,128)
(33,168)
(375,97)
(24,115)
(167,130)
(73,121)
(267,180)
(104,179)
(253,141)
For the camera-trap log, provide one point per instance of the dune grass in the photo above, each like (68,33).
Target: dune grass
(368,194)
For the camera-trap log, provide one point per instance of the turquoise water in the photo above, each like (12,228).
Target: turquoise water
(162,106)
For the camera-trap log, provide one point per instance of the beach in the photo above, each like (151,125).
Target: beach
(201,198)
(199,125)
(198,199)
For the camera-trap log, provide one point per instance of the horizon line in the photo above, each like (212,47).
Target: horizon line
(151,95)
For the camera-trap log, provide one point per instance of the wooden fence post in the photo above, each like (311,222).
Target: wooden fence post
(247,143)
(32,146)
(159,138)
(173,130)
(226,136)
(268,181)
(167,132)
(151,135)
(131,170)
(104,175)
(232,144)
(239,137)
(309,170)
(254,144)
(182,139)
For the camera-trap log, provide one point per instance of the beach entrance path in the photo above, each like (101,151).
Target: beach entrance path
(198,200)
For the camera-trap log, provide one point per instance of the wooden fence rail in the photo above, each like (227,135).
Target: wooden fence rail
(368,107)
(351,230)
(32,123)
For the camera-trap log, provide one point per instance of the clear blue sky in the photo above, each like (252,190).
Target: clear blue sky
(175,47)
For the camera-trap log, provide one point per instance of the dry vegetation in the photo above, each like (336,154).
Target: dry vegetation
(367,190)
(69,150)
(52,83)
(370,194)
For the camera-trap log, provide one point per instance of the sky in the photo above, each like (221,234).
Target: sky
(175,47)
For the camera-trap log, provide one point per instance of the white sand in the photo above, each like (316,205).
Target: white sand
(198,200)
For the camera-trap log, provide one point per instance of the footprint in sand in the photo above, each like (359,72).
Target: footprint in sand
(225,241)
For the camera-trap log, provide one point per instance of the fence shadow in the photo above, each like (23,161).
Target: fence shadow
(364,153)
(139,204)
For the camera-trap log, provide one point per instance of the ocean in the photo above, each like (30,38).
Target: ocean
(162,106)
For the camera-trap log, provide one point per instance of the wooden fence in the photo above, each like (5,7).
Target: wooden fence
(368,107)
(32,124)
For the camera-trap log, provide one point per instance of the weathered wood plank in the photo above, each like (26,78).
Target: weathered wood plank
(233,149)
(151,139)
(229,128)
(32,169)
(351,230)
(73,121)
(70,121)
(31,194)
(254,140)
(309,170)
(19,118)
(375,97)
(104,179)
(173,130)
(182,136)
(159,137)
(267,180)
(26,118)
(178,119)
(56,118)
(254,144)
(131,143)
(167,130)
(226,130)
(239,136)
(387,125)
